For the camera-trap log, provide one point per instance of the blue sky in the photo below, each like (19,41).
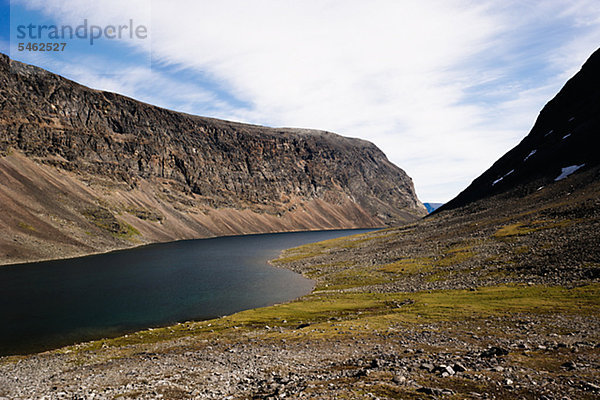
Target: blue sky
(444,88)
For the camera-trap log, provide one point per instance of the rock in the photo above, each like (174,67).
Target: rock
(362,372)
(458,367)
(445,370)
(494,352)
(427,367)
(435,391)
(570,365)
(592,387)
(430,391)
(196,164)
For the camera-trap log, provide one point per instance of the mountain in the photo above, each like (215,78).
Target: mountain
(431,207)
(497,299)
(564,140)
(83,170)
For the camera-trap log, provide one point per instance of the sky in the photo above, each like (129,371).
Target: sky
(443,88)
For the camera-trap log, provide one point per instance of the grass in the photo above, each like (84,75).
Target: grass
(458,384)
(455,255)
(26,227)
(353,277)
(105,220)
(314,249)
(327,315)
(408,266)
(348,275)
(128,231)
(525,228)
(145,214)
(523,250)
(344,275)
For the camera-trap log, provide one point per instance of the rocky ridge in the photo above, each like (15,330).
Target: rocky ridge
(562,141)
(127,172)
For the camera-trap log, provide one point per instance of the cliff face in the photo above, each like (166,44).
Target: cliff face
(565,139)
(83,170)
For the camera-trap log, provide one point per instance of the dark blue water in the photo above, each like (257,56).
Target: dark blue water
(51,304)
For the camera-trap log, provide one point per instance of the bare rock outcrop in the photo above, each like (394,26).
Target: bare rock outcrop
(84,170)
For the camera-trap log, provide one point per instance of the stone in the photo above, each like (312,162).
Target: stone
(427,367)
(494,352)
(570,365)
(430,391)
(458,367)
(445,370)
(592,387)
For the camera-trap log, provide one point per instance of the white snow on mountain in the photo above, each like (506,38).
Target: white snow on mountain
(568,171)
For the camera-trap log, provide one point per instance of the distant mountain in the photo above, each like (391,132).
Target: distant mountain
(431,207)
(83,170)
(564,140)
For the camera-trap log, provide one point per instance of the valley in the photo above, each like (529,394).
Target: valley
(495,295)
(496,300)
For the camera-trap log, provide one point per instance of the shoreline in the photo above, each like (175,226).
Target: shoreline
(137,246)
(126,333)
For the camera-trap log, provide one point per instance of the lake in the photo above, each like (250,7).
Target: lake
(51,304)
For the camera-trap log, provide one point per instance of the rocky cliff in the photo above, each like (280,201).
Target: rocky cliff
(564,140)
(83,170)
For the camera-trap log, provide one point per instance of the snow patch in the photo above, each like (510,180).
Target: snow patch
(500,179)
(566,136)
(530,154)
(568,171)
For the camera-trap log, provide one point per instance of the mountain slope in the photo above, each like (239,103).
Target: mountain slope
(564,139)
(84,170)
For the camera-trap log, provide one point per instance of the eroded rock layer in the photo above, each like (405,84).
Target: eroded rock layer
(83,171)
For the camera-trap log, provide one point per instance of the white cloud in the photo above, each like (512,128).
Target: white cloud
(405,75)
(139,82)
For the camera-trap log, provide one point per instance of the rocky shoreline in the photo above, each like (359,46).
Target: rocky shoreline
(396,363)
